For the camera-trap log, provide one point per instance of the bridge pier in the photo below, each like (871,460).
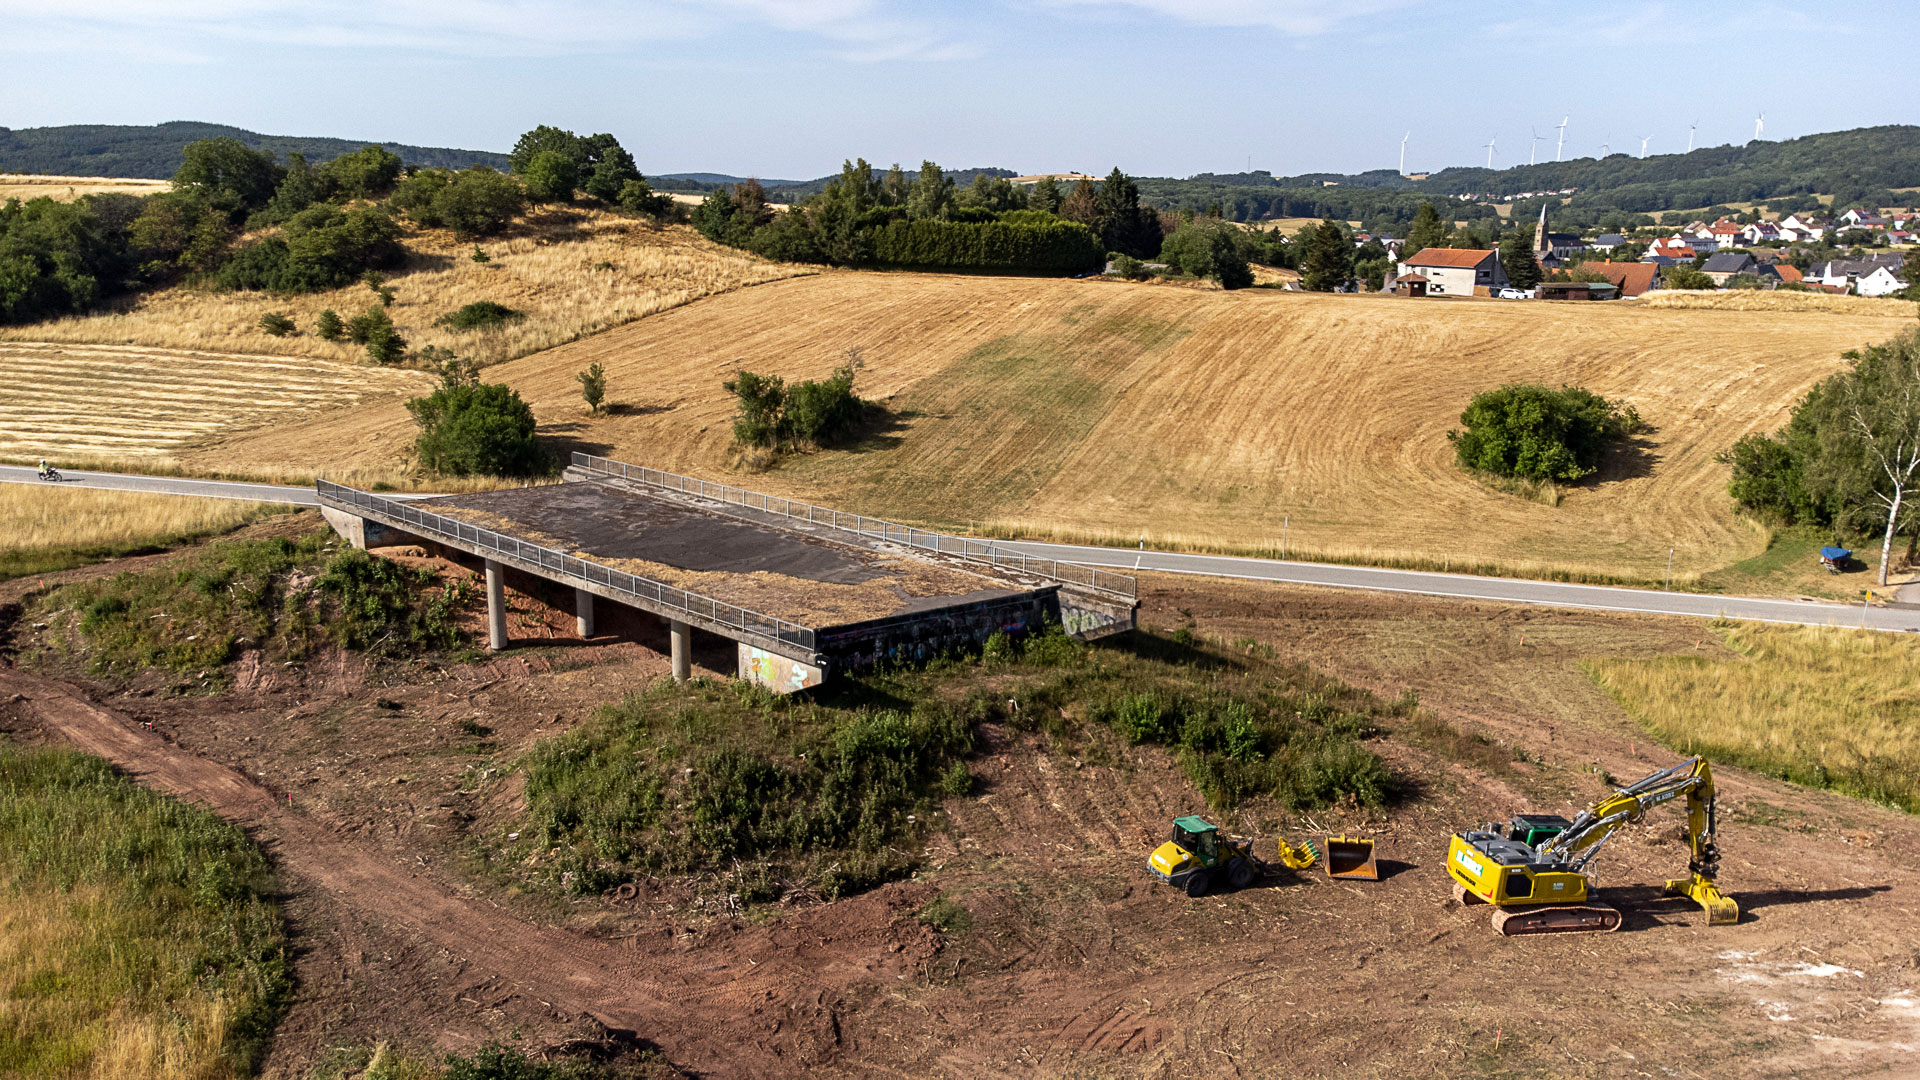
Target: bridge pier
(496,606)
(583,613)
(682,639)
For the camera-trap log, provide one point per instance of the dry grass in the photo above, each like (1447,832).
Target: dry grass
(43,528)
(1829,707)
(1776,300)
(67,188)
(1235,420)
(57,939)
(573,272)
(131,402)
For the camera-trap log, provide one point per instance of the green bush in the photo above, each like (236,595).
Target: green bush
(551,176)
(1206,248)
(472,202)
(474,429)
(1535,433)
(593,386)
(769,413)
(321,247)
(329,326)
(374,329)
(1061,247)
(479,315)
(277,324)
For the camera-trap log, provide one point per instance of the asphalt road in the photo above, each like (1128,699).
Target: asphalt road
(1455,586)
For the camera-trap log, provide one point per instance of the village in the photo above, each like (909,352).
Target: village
(1856,253)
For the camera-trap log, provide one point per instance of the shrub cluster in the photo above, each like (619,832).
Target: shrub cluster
(284,596)
(470,428)
(1062,247)
(772,415)
(1536,433)
(479,315)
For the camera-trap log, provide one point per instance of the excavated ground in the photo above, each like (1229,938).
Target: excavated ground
(370,787)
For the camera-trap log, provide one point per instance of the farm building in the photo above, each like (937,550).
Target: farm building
(1725,264)
(1410,285)
(1457,271)
(1631,278)
(1577,290)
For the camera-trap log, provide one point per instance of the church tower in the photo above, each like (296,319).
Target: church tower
(1542,243)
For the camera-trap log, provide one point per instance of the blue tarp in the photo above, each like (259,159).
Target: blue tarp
(1836,554)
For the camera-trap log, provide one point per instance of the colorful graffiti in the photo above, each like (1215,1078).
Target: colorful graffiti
(777,673)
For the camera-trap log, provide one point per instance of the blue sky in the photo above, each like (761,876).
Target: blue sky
(787,88)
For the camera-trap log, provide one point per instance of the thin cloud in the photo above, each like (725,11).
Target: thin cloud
(852,30)
(1302,18)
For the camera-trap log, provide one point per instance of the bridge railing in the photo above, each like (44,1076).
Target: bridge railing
(860,525)
(474,537)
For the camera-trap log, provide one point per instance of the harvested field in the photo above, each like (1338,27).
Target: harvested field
(24,186)
(1246,421)
(131,402)
(1756,300)
(572,272)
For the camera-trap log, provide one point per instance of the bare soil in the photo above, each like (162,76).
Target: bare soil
(1076,963)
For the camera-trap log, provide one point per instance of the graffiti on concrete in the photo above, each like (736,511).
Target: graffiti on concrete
(777,673)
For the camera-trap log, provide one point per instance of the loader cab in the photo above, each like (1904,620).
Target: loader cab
(1199,838)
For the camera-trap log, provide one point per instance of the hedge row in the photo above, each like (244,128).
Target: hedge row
(1061,247)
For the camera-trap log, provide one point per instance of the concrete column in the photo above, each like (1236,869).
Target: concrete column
(583,612)
(682,636)
(496,606)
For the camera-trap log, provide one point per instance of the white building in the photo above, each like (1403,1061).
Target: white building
(1881,282)
(1457,271)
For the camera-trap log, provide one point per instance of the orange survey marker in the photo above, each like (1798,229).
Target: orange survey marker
(1348,857)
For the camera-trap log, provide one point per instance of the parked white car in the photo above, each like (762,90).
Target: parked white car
(1516,294)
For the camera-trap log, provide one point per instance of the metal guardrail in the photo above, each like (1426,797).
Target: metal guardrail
(413,519)
(861,525)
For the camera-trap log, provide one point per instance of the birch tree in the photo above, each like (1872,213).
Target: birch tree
(1880,401)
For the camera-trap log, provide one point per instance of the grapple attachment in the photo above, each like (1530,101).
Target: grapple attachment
(1298,856)
(1348,857)
(1721,909)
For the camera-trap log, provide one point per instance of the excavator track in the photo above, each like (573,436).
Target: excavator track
(1589,918)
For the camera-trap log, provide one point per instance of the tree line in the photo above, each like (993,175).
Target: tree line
(327,224)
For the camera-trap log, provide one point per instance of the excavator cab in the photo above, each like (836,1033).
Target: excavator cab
(1535,829)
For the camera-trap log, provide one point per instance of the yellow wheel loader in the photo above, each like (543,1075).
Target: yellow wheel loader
(1533,868)
(1198,859)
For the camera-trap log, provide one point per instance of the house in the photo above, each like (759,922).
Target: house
(1457,271)
(1672,249)
(1882,282)
(1607,242)
(1787,273)
(1899,236)
(1802,227)
(1849,273)
(1725,234)
(1760,232)
(1726,264)
(1863,219)
(1631,278)
(1410,285)
(1576,290)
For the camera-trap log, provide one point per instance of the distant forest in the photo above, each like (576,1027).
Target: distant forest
(156,152)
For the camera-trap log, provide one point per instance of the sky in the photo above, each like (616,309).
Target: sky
(788,88)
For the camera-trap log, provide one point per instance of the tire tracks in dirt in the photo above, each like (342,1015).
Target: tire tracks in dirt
(750,1002)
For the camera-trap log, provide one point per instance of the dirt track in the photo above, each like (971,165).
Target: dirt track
(1076,963)
(758,1003)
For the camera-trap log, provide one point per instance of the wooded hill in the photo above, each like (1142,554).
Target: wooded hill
(154,151)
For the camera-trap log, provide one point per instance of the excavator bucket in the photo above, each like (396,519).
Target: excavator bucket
(1298,856)
(1348,857)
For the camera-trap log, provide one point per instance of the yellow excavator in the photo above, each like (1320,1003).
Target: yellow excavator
(1532,869)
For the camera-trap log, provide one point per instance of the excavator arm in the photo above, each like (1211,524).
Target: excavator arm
(1693,778)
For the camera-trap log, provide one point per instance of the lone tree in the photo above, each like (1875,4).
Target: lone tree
(593,386)
(1516,256)
(472,428)
(1328,262)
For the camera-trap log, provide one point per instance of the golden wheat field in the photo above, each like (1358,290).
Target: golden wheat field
(571,271)
(24,186)
(1758,300)
(1201,418)
(36,516)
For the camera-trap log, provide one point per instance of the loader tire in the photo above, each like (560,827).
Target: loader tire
(1239,873)
(1197,884)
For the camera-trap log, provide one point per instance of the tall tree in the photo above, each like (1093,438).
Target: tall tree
(932,195)
(545,139)
(1516,255)
(1328,262)
(1427,231)
(232,177)
(1081,205)
(1878,436)
(1123,224)
(894,187)
(1046,196)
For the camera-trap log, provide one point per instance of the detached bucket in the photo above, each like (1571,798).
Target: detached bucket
(1351,858)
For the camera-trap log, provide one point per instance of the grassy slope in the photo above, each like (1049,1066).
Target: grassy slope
(43,529)
(1828,707)
(1195,417)
(138,936)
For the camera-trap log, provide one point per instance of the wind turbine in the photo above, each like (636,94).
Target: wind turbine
(1759,125)
(1490,153)
(1691,128)
(1534,147)
(1403,152)
(1606,146)
(1563,138)
(1643,146)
